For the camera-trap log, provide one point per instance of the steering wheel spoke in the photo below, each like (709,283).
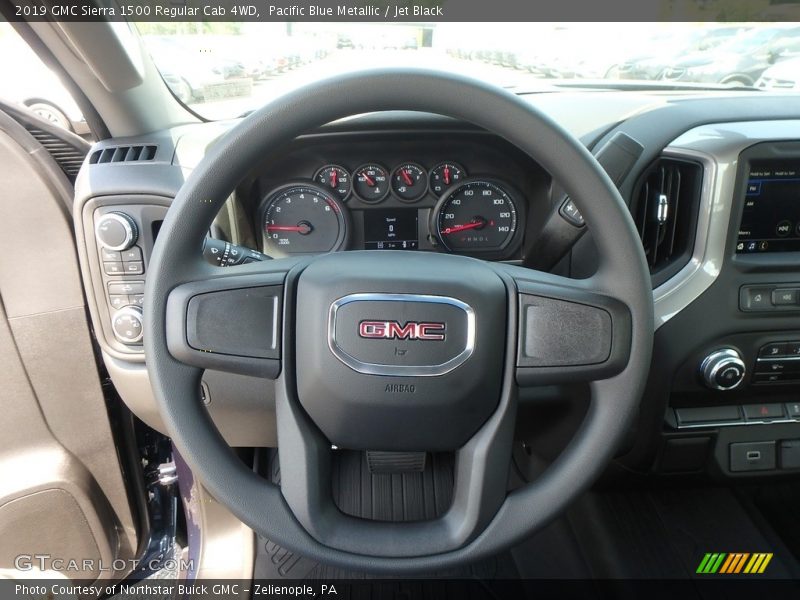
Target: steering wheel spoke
(568,331)
(230,319)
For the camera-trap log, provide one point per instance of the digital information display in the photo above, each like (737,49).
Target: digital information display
(391,229)
(771,217)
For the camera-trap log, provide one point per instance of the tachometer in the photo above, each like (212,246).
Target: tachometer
(475,216)
(302,219)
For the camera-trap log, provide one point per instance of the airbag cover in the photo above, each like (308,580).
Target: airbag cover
(399,351)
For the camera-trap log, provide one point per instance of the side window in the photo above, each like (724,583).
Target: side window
(26,81)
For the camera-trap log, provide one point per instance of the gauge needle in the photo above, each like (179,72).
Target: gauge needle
(334,179)
(370,181)
(457,228)
(406,177)
(447,175)
(304,228)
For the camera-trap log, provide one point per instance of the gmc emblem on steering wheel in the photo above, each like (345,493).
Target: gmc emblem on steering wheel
(392,330)
(406,320)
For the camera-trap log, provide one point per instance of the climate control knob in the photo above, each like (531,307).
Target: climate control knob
(116,231)
(723,369)
(127,324)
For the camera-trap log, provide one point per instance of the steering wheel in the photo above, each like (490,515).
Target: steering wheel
(456,339)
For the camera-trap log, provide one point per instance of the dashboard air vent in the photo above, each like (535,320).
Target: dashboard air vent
(666,204)
(68,155)
(117,154)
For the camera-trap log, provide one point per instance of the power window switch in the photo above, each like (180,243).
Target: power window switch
(752,456)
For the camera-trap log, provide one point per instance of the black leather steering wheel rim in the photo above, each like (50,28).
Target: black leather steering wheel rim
(622,274)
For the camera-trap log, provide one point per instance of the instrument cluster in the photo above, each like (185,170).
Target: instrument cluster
(407,207)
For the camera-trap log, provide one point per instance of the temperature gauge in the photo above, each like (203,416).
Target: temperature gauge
(445,175)
(371,182)
(409,182)
(335,179)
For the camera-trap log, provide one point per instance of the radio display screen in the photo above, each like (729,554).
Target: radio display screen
(391,229)
(771,217)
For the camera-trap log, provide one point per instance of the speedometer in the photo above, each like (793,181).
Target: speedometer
(475,216)
(302,219)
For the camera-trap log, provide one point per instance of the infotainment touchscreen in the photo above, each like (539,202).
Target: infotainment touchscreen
(771,217)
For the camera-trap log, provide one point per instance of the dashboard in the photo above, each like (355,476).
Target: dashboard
(721,396)
(465,194)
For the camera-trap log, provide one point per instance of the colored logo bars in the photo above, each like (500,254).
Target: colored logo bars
(734,563)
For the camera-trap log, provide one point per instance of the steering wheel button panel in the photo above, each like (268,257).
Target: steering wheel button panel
(556,332)
(229,323)
(570,336)
(237,322)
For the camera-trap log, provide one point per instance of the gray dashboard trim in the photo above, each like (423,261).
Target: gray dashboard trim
(717,147)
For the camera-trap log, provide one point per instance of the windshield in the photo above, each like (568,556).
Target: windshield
(224,70)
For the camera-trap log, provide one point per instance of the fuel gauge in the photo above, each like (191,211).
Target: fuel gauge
(335,179)
(409,182)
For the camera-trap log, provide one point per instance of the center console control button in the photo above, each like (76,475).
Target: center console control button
(768,378)
(793,409)
(776,297)
(753,298)
(723,369)
(782,297)
(775,350)
(762,412)
(707,414)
